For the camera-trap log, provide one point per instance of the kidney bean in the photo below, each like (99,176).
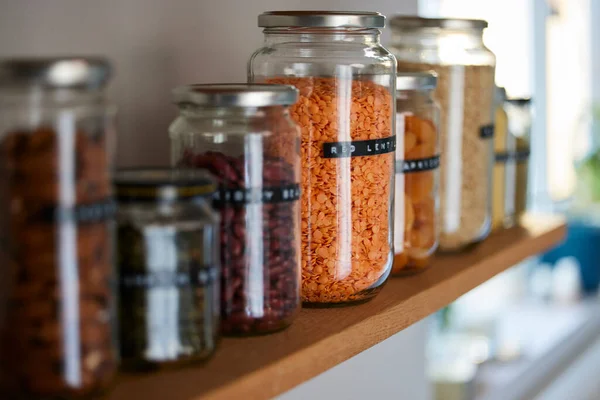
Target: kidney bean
(255,298)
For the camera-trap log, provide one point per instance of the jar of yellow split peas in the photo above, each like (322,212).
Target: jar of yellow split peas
(417,173)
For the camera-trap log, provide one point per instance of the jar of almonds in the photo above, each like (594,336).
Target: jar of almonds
(56,219)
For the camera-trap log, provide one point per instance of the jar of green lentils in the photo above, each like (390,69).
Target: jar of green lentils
(168,267)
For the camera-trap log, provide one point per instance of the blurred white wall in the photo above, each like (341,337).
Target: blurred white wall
(155,45)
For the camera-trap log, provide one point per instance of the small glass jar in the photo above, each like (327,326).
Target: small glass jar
(56,220)
(168,267)
(520,115)
(244,136)
(504,179)
(454,50)
(417,173)
(346,113)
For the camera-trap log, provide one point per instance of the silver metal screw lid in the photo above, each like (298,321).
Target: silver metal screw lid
(55,72)
(414,22)
(236,95)
(416,81)
(321,19)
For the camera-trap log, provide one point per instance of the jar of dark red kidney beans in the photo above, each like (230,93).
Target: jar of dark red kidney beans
(56,222)
(244,135)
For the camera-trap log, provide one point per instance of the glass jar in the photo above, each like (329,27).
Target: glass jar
(454,49)
(168,267)
(346,113)
(520,115)
(244,136)
(417,173)
(56,220)
(504,179)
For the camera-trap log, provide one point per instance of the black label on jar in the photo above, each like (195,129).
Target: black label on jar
(486,131)
(359,148)
(82,213)
(419,165)
(241,196)
(518,156)
(169,279)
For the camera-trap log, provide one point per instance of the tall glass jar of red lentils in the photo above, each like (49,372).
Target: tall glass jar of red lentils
(244,136)
(346,111)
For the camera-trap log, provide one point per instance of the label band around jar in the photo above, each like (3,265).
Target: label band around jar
(268,195)
(418,165)
(518,156)
(486,131)
(359,148)
(82,213)
(168,279)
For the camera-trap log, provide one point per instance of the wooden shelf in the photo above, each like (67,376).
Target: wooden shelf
(263,367)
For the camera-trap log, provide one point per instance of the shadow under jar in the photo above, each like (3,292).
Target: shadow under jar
(417,173)
(346,112)
(244,136)
(56,222)
(454,50)
(168,267)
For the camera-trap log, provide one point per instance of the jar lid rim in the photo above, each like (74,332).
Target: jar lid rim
(416,80)
(321,19)
(70,72)
(235,95)
(156,183)
(415,22)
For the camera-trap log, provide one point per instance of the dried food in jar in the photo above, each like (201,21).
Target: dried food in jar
(168,294)
(416,172)
(260,276)
(466,154)
(56,329)
(346,203)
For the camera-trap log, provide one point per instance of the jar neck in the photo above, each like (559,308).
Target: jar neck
(35,96)
(367,36)
(437,37)
(233,113)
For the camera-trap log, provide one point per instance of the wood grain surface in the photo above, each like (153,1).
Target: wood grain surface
(262,367)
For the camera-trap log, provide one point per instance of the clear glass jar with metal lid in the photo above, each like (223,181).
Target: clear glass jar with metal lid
(520,116)
(168,267)
(417,173)
(243,134)
(454,50)
(56,219)
(346,113)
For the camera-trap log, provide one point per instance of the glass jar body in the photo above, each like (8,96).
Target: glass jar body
(417,181)
(504,180)
(168,282)
(254,154)
(56,229)
(519,115)
(465,91)
(346,114)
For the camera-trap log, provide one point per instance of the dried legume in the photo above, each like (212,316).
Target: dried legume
(259,286)
(346,203)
